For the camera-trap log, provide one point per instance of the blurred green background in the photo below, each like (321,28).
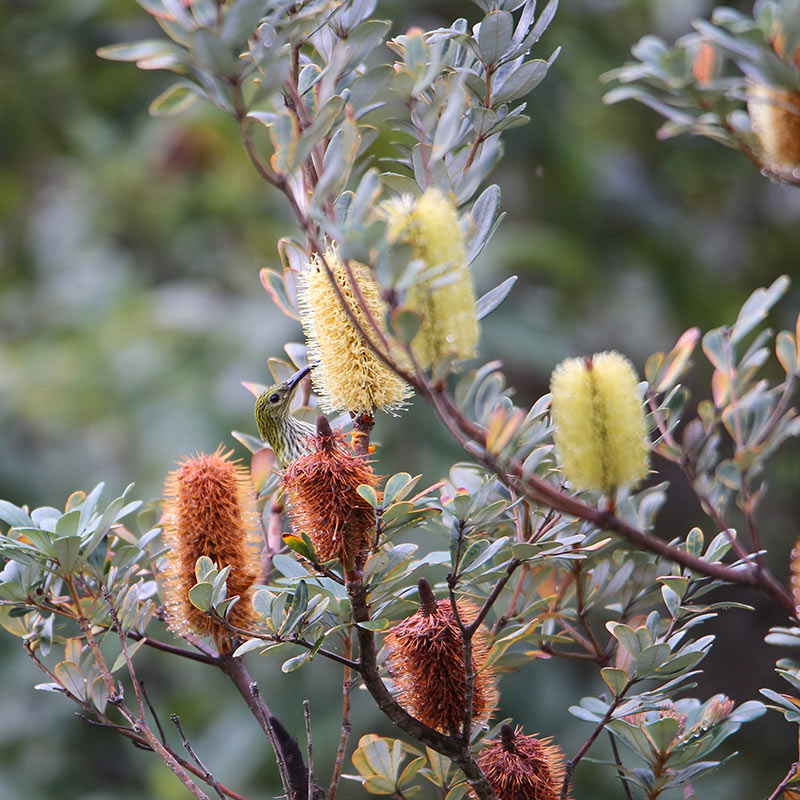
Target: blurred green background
(130,310)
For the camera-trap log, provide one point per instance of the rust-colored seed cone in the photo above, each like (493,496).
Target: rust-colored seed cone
(323,498)
(209,511)
(426,660)
(520,767)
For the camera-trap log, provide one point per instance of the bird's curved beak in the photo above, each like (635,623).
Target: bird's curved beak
(297,377)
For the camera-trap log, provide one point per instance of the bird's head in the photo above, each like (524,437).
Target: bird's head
(274,401)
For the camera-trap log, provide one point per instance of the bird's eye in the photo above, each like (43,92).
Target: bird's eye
(273,398)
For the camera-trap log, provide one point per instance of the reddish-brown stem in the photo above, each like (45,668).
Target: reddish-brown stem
(269,637)
(128,733)
(347,688)
(172,649)
(234,668)
(788,778)
(473,439)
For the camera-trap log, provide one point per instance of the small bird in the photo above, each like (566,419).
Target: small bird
(285,434)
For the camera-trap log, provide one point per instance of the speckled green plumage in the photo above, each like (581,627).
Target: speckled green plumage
(285,434)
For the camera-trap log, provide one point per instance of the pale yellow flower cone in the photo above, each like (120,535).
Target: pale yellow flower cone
(600,431)
(348,375)
(445,300)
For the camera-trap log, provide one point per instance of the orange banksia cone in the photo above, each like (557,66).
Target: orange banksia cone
(520,767)
(426,660)
(322,487)
(209,511)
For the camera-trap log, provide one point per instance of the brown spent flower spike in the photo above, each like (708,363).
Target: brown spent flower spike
(323,498)
(426,660)
(209,511)
(520,767)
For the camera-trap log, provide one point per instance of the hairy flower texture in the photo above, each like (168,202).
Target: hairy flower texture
(348,375)
(209,510)
(444,297)
(665,709)
(719,708)
(426,660)
(521,767)
(323,498)
(600,431)
(775,117)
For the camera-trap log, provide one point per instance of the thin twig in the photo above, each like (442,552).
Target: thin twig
(153,713)
(618,761)
(207,776)
(569,767)
(157,644)
(347,688)
(234,668)
(788,778)
(137,739)
(125,653)
(493,595)
(116,696)
(269,637)
(309,749)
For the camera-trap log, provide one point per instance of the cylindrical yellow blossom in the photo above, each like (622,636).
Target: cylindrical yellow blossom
(775,118)
(209,510)
(523,767)
(444,296)
(600,431)
(348,375)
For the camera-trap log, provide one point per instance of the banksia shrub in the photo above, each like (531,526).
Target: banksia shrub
(444,296)
(209,510)
(600,431)
(348,375)
(520,767)
(323,498)
(426,660)
(775,117)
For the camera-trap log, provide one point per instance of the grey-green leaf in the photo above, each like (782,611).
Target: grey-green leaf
(494,36)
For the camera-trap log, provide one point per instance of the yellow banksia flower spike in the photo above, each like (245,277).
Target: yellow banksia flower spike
(322,488)
(348,375)
(600,431)
(521,767)
(444,299)
(209,510)
(426,660)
